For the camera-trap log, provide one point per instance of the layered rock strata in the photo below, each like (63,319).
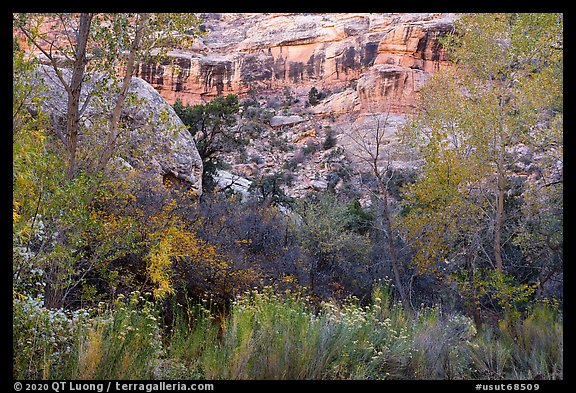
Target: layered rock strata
(368,58)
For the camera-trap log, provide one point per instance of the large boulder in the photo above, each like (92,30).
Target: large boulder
(153,138)
(281,121)
(238,184)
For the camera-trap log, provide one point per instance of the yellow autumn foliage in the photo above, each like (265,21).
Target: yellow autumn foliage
(443,210)
(172,243)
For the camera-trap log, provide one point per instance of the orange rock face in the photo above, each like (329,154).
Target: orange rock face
(367,59)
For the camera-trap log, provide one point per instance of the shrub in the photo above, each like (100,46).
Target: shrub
(310,148)
(329,139)
(272,337)
(378,344)
(440,344)
(298,158)
(536,342)
(268,334)
(314,96)
(521,347)
(44,340)
(491,357)
(193,333)
(337,253)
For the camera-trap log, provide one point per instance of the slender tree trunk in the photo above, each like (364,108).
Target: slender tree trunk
(375,155)
(113,128)
(474,298)
(499,222)
(113,131)
(74,87)
(543,279)
(391,245)
(73,112)
(313,272)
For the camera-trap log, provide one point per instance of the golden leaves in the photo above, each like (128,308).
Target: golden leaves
(172,242)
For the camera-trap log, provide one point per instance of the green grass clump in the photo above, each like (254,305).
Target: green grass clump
(268,336)
(272,335)
(440,345)
(123,343)
(529,347)
(194,332)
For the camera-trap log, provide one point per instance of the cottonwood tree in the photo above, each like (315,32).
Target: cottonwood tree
(444,213)
(69,232)
(108,45)
(500,57)
(504,91)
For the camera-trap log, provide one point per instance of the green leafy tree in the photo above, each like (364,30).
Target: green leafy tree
(214,128)
(499,57)
(504,91)
(268,188)
(324,232)
(314,96)
(443,219)
(330,140)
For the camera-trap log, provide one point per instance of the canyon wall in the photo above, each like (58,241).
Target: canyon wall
(365,58)
(366,66)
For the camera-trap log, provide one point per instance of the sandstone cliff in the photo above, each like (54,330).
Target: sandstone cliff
(366,58)
(367,66)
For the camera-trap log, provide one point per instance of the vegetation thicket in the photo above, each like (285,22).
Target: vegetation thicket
(454,271)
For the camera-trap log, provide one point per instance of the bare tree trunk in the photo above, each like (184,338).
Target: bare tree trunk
(73,112)
(74,87)
(499,222)
(313,272)
(387,214)
(113,128)
(543,279)
(113,131)
(371,151)
(474,298)
(392,247)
